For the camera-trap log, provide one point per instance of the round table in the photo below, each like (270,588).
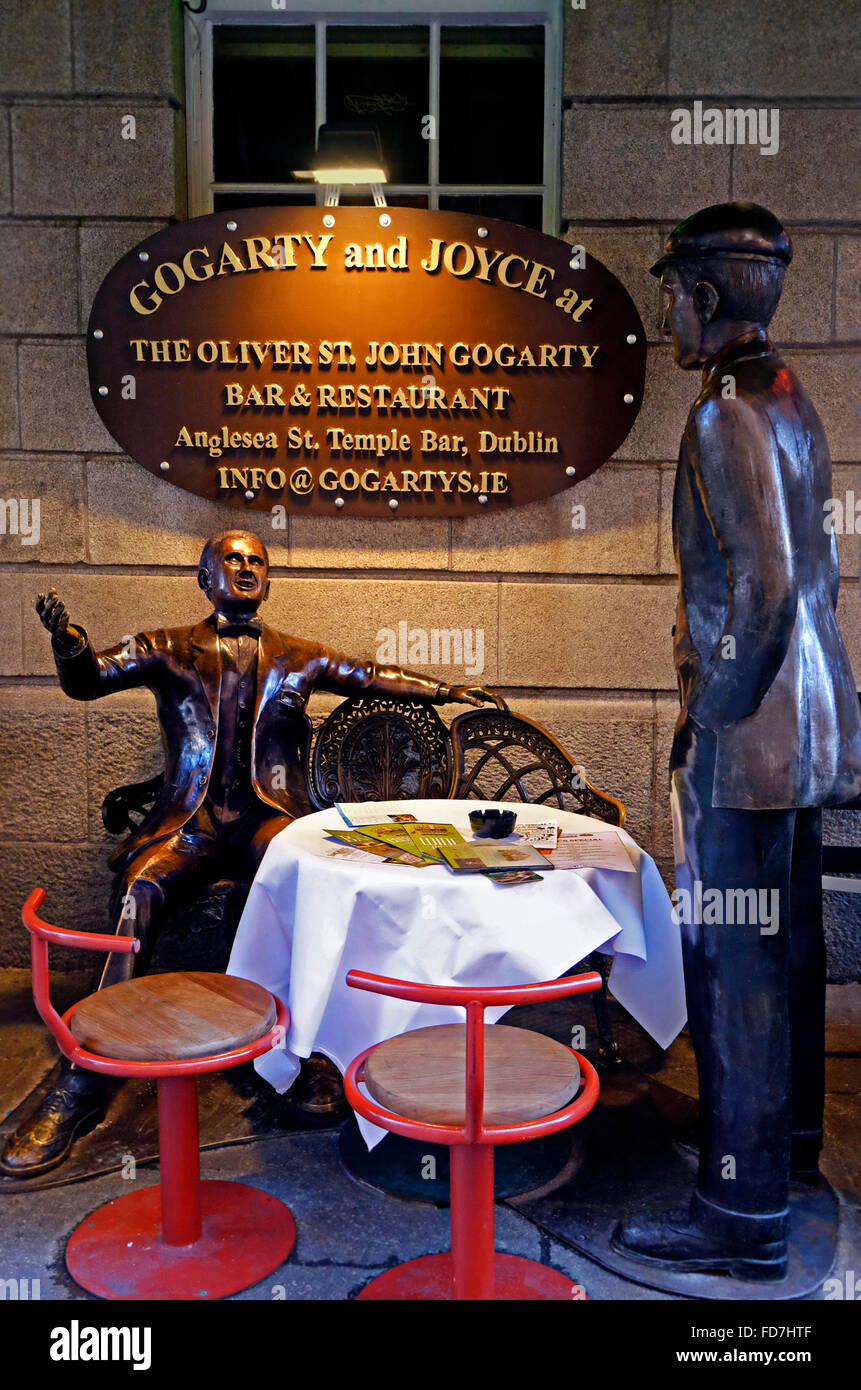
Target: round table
(309,919)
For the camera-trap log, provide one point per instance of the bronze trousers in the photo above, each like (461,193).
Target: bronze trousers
(755,990)
(201,852)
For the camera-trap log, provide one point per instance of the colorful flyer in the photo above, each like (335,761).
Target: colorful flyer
(478,856)
(419,837)
(433,839)
(389,854)
(509,878)
(398,836)
(600,849)
(542,834)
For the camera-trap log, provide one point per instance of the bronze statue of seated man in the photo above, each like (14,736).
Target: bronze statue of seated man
(230,694)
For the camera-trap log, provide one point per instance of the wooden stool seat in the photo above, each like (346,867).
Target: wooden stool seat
(421,1075)
(159,1018)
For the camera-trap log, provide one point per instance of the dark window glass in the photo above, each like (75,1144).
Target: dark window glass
(491,127)
(226,202)
(363,197)
(525,209)
(380,76)
(264,102)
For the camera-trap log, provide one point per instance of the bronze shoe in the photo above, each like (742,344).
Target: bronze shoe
(672,1241)
(42,1142)
(318,1089)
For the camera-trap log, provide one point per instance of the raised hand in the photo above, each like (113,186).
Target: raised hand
(470,695)
(55,617)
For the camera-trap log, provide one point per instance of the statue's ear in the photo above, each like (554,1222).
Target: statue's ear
(706,300)
(266,591)
(204,579)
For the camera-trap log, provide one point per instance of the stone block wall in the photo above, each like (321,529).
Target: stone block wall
(576,623)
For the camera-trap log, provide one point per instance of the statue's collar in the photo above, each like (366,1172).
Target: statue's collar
(231,627)
(751,344)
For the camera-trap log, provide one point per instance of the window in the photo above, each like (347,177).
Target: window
(467,102)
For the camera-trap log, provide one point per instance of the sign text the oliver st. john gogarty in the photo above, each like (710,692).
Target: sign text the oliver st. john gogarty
(349,360)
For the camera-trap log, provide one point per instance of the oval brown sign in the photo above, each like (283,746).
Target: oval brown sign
(377,363)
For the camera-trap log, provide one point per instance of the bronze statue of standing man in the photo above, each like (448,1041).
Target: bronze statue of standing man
(769,732)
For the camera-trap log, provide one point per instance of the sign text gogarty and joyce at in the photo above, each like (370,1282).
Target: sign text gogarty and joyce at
(288,252)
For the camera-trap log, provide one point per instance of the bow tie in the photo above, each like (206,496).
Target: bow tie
(250,627)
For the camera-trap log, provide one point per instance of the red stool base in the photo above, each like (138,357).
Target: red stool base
(117,1251)
(430,1278)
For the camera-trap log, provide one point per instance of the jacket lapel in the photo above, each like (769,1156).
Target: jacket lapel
(207,662)
(270,662)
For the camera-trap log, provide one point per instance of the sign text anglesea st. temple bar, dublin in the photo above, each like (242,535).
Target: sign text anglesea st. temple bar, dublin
(348,359)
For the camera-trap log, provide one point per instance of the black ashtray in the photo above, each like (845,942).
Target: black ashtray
(492,824)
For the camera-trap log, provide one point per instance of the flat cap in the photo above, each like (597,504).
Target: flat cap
(742,231)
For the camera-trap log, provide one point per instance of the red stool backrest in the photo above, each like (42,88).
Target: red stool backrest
(43,932)
(40,934)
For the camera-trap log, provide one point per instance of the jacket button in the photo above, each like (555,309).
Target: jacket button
(210,733)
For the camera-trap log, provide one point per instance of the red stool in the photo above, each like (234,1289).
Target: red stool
(183,1238)
(470,1088)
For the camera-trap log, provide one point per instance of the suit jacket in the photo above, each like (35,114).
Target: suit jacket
(182,667)
(758,653)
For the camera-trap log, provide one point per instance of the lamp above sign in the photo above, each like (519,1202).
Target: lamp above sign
(406,362)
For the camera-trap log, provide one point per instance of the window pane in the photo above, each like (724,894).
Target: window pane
(264,103)
(379,76)
(491,127)
(227,202)
(362,198)
(525,209)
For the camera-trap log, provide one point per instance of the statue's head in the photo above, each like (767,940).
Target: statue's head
(723,270)
(234,572)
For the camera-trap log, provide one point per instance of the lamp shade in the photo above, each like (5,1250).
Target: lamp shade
(347,153)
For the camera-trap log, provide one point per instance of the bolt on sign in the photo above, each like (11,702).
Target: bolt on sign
(407,362)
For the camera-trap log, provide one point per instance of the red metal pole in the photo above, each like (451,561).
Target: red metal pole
(179,1146)
(472,1179)
(472,1220)
(474,1106)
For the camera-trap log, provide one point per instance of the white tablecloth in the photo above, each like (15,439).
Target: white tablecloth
(309,919)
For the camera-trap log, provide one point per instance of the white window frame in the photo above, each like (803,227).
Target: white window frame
(202,186)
